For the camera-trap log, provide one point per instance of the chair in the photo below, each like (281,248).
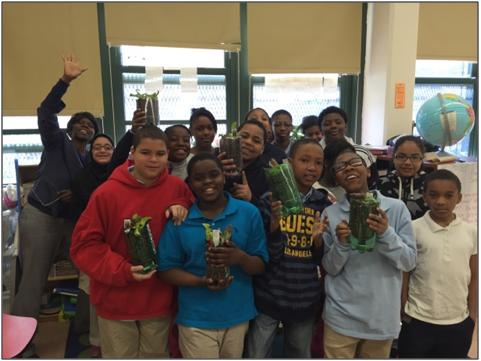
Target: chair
(17,331)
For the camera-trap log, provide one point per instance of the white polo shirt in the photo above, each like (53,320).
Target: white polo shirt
(438,286)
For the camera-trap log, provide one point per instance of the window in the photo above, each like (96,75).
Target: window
(300,94)
(21,140)
(439,76)
(175,102)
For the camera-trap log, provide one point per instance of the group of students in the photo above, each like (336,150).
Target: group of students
(296,270)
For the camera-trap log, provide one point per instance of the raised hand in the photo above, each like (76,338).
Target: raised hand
(318,229)
(71,68)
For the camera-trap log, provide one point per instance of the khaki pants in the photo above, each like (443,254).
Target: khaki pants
(341,346)
(84,284)
(212,343)
(134,339)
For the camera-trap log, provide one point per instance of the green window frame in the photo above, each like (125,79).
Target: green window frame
(118,80)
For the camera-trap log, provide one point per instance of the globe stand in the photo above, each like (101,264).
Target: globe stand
(443,154)
(448,139)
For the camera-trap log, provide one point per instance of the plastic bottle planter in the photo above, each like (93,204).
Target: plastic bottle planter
(230,144)
(284,188)
(151,108)
(216,238)
(139,240)
(149,103)
(362,238)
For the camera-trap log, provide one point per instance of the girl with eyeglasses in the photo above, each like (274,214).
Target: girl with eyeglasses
(405,181)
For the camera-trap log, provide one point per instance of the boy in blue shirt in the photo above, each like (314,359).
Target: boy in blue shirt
(362,307)
(213,317)
(440,295)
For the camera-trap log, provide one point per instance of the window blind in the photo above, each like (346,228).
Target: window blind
(185,25)
(448,31)
(304,37)
(35,36)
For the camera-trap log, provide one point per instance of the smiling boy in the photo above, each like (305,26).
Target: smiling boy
(46,222)
(334,122)
(440,295)
(134,309)
(361,311)
(179,149)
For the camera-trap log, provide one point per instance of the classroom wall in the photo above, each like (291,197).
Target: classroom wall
(36,34)
(390,59)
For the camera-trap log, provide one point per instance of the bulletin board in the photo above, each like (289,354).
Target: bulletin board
(468,175)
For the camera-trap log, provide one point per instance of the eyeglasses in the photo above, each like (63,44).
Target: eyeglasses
(404,157)
(354,162)
(107,147)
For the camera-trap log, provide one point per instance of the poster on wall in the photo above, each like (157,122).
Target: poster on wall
(468,175)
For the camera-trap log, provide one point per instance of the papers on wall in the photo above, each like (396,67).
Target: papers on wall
(188,80)
(153,79)
(468,175)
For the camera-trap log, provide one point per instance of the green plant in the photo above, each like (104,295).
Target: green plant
(216,238)
(140,242)
(145,96)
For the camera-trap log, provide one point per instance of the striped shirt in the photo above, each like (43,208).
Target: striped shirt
(290,288)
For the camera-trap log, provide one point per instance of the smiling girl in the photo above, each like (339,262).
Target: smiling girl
(179,149)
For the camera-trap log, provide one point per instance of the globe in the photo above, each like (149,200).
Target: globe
(445,119)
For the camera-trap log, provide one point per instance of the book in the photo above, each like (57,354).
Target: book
(377,149)
(71,292)
(437,157)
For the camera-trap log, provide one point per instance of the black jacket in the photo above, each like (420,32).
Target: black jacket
(94,174)
(60,162)
(271,151)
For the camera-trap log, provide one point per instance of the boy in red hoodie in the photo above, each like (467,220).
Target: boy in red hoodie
(134,309)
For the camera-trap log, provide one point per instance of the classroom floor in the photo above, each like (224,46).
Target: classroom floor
(51,339)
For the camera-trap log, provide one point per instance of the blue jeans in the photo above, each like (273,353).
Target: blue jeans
(297,337)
